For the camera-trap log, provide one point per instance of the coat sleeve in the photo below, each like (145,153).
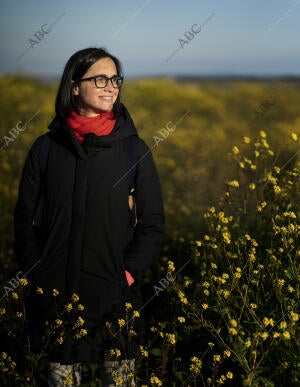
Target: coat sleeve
(145,246)
(25,243)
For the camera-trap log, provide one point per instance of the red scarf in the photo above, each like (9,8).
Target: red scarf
(100,125)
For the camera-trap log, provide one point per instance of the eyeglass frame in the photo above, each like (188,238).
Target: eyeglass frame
(106,78)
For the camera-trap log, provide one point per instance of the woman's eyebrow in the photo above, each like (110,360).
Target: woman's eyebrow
(104,75)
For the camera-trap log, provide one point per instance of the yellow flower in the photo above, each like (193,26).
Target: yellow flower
(221,379)
(226,237)
(128,305)
(233,183)
(286,335)
(266,145)
(83,332)
(69,307)
(19,314)
(229,375)
(277,169)
(181,319)
(154,380)
(277,189)
(261,206)
(118,380)
(60,340)
(252,186)
(206,292)
(171,266)
(55,292)
(217,358)
(294,316)
(144,352)
(187,282)
(227,353)
(256,153)
(263,134)
(198,243)
(281,282)
(204,306)
(79,322)
(15,296)
(23,282)
(132,333)
(136,313)
(271,179)
(233,323)
(121,322)
(294,137)
(213,265)
(264,335)
(58,322)
(252,258)
(182,297)
(291,289)
(247,343)
(39,291)
(246,140)
(75,297)
(276,334)
(235,150)
(283,325)
(196,365)
(290,214)
(114,352)
(268,321)
(253,306)
(171,338)
(80,307)
(232,331)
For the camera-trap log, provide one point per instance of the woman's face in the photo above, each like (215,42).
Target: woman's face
(95,100)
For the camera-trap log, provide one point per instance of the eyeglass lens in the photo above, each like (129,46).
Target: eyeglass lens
(102,81)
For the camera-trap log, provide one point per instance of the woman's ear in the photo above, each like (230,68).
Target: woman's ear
(75,88)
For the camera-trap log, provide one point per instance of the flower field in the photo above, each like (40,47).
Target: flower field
(221,305)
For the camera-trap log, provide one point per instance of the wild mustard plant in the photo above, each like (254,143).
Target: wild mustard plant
(249,265)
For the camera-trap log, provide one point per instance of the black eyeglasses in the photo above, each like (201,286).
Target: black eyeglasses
(101,81)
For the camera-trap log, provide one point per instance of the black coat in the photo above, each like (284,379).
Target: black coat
(86,239)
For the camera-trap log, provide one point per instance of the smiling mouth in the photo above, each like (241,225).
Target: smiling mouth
(106,98)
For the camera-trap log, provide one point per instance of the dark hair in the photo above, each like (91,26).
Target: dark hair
(75,68)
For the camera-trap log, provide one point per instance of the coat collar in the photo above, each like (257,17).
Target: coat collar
(124,127)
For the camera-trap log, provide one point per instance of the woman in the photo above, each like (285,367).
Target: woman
(87,253)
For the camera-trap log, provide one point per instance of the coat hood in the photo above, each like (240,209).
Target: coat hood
(123,128)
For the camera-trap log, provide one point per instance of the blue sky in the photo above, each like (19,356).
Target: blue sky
(246,37)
